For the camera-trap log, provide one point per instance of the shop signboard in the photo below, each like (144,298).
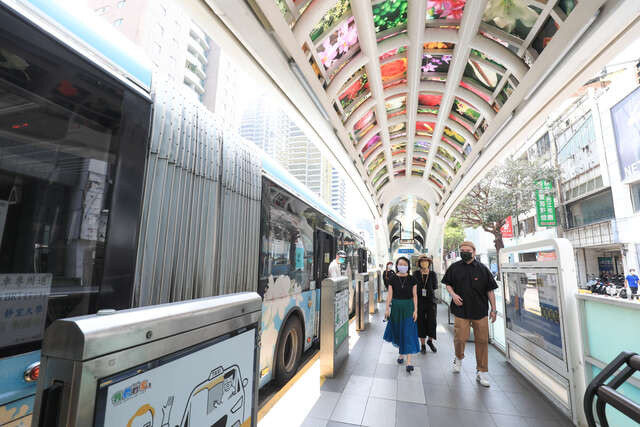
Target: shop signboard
(507,228)
(545,204)
(208,385)
(626,126)
(23,307)
(405,251)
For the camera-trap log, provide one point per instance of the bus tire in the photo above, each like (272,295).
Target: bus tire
(289,350)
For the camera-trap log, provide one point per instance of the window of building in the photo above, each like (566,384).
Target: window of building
(122,3)
(160,30)
(635,196)
(163,10)
(118,22)
(172,61)
(530,225)
(157,48)
(596,208)
(102,10)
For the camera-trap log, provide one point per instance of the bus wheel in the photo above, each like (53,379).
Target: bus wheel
(289,350)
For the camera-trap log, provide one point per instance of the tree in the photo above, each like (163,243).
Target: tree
(453,235)
(507,190)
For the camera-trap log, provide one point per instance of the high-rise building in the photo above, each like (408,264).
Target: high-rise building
(177,47)
(272,130)
(338,192)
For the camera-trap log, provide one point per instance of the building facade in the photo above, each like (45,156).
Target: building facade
(595,142)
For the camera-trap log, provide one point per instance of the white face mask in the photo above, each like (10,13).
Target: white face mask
(403,269)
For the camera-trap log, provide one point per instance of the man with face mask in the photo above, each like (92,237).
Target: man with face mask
(471,286)
(335,269)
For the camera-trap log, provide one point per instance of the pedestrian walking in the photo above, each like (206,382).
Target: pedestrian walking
(632,283)
(335,267)
(386,275)
(401,330)
(427,308)
(471,286)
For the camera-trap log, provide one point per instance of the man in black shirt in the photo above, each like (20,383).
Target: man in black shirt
(471,285)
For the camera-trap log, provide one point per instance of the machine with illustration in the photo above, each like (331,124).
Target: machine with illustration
(183,364)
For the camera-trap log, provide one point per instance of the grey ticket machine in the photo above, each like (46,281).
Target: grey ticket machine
(191,363)
(334,325)
(362,301)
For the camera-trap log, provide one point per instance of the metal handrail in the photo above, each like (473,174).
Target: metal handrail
(608,394)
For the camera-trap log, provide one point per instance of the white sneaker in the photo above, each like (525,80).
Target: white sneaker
(457,365)
(482,378)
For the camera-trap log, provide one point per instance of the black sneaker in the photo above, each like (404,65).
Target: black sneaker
(423,350)
(409,368)
(431,346)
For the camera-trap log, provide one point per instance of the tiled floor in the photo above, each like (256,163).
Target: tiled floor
(372,390)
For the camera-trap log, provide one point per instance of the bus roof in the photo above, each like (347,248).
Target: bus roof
(292,184)
(95,34)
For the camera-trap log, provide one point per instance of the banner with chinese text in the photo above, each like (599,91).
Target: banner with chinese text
(545,204)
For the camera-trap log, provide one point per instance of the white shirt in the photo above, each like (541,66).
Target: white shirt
(334,269)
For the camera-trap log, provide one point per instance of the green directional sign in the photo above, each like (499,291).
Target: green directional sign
(545,204)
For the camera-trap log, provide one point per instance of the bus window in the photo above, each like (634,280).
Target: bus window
(61,124)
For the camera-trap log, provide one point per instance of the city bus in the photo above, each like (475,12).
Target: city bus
(119,192)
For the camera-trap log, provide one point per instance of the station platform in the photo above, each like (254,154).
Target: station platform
(372,390)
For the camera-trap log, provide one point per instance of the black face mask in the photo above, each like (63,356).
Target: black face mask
(466,256)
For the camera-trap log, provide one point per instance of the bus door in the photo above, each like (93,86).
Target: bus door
(325,253)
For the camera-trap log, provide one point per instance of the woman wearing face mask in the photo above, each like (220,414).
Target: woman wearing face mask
(427,284)
(402,330)
(386,276)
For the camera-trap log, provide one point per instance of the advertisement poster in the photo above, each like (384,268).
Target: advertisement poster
(626,126)
(23,307)
(342,317)
(211,386)
(532,309)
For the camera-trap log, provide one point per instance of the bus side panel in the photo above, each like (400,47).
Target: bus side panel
(15,390)
(281,298)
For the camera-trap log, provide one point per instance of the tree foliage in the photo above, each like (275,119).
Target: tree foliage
(508,190)
(453,235)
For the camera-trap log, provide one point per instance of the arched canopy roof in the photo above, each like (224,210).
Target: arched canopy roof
(420,88)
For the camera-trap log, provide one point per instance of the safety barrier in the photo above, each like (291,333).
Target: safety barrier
(608,394)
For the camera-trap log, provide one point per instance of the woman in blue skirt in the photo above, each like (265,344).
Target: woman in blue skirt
(402,330)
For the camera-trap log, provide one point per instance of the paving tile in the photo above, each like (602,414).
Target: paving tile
(498,403)
(475,418)
(537,422)
(533,405)
(380,413)
(337,424)
(325,405)
(384,388)
(502,420)
(410,391)
(314,422)
(358,385)
(335,384)
(411,415)
(386,371)
(416,375)
(443,417)
(349,409)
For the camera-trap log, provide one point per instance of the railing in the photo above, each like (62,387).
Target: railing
(608,394)
(601,233)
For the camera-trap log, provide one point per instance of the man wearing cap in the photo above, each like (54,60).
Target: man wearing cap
(471,286)
(334,268)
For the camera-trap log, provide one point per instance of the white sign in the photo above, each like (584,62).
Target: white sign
(23,307)
(209,387)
